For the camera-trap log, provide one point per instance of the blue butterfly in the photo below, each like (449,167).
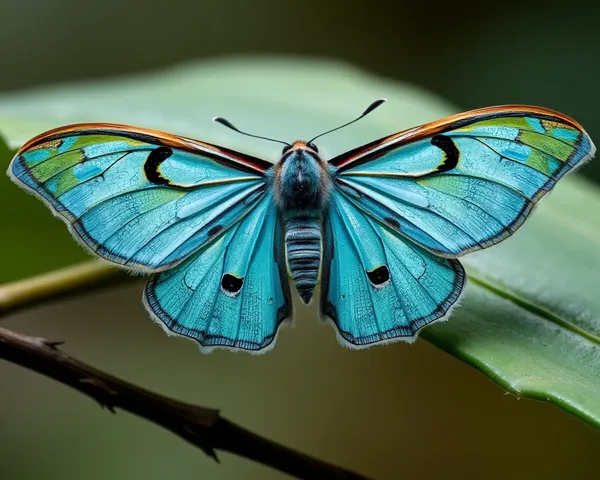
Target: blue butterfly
(382,224)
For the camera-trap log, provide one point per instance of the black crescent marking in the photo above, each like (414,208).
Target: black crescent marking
(243,162)
(378,276)
(451,152)
(367,151)
(156,157)
(231,284)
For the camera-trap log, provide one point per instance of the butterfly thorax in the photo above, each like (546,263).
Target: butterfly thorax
(301,186)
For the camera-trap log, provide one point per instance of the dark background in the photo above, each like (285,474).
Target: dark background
(447,420)
(473,53)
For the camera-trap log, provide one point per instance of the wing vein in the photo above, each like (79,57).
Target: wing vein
(392,213)
(549,177)
(251,259)
(492,137)
(437,214)
(470,203)
(140,215)
(84,160)
(192,295)
(214,303)
(357,252)
(94,177)
(385,253)
(173,224)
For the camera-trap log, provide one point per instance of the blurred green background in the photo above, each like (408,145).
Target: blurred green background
(393,412)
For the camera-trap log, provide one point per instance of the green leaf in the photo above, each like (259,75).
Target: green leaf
(531,317)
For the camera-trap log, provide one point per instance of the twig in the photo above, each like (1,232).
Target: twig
(203,427)
(59,283)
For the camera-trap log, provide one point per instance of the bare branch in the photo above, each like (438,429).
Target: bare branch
(203,427)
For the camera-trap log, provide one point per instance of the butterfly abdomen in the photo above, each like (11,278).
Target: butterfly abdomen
(301,186)
(303,245)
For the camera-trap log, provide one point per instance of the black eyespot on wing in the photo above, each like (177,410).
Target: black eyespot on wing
(155,158)
(378,276)
(451,152)
(214,230)
(392,222)
(231,284)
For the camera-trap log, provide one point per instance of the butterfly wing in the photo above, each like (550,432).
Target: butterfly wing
(465,182)
(140,198)
(403,207)
(234,292)
(376,285)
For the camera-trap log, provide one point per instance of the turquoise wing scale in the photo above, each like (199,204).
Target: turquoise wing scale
(233,293)
(434,192)
(465,182)
(376,285)
(139,198)
(151,202)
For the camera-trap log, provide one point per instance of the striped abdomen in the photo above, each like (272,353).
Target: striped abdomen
(303,244)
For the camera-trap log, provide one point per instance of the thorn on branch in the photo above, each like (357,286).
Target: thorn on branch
(109,407)
(199,436)
(102,392)
(53,344)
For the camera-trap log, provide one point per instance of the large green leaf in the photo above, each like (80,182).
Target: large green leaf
(531,316)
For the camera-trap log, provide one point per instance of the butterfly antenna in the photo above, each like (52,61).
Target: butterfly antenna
(369,109)
(228,124)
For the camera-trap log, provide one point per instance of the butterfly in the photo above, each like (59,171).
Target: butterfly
(382,225)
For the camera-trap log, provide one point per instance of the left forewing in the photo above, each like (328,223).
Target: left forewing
(139,198)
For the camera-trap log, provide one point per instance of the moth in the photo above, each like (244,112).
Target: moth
(381,226)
